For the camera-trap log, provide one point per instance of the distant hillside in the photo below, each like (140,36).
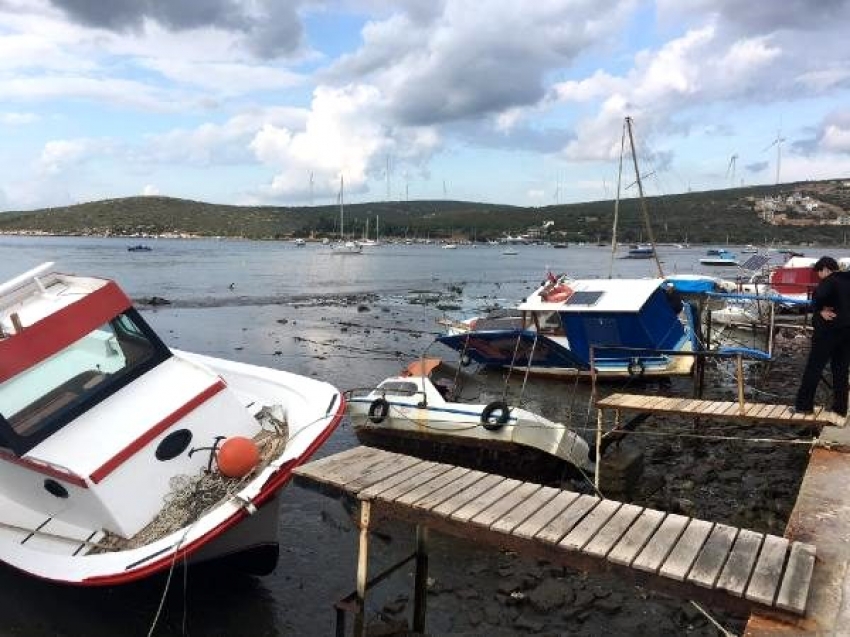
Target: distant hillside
(699,217)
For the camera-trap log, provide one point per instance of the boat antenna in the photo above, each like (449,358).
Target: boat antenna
(642,201)
(617,204)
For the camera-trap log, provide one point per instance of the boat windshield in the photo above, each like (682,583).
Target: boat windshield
(48,395)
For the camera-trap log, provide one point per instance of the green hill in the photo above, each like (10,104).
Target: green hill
(697,217)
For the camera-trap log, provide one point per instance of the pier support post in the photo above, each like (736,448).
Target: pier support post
(362,568)
(598,448)
(739,368)
(420,592)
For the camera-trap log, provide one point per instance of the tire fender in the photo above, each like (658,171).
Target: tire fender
(379,410)
(495,415)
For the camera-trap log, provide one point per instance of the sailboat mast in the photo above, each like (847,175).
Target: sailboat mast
(617,204)
(341,233)
(642,201)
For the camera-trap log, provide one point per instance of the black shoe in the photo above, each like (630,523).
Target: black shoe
(805,412)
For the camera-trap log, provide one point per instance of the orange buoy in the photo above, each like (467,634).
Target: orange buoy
(237,456)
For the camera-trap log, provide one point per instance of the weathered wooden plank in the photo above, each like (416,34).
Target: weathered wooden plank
(495,511)
(381,471)
(564,523)
(449,490)
(427,472)
(519,514)
(636,537)
(765,579)
(661,543)
(679,562)
(389,482)
(762,411)
(325,469)
(474,507)
(609,535)
(697,407)
(736,573)
(712,558)
(545,514)
(731,410)
(779,412)
(798,576)
(653,402)
(584,531)
(435,484)
(613,401)
(452,504)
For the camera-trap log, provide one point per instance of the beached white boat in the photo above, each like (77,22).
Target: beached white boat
(417,412)
(120,457)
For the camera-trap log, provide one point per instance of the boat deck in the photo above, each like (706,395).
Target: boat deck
(38,531)
(733,568)
(729,410)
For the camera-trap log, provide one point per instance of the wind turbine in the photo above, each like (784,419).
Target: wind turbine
(730,169)
(778,143)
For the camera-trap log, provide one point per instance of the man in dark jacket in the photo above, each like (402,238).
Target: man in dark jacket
(830,337)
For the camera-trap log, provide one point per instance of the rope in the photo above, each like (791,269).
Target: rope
(717,625)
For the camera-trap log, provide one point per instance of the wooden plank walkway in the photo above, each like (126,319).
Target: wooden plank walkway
(733,568)
(729,410)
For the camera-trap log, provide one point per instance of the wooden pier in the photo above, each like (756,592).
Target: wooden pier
(740,410)
(720,565)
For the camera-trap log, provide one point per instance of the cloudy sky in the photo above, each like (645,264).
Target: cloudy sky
(271,101)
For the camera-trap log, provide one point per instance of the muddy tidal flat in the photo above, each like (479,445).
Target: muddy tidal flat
(353,323)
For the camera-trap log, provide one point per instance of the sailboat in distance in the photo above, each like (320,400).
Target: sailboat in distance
(343,246)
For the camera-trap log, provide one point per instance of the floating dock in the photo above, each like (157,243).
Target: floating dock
(723,566)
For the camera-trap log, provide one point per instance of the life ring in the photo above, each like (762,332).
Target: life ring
(502,414)
(636,367)
(379,410)
(558,294)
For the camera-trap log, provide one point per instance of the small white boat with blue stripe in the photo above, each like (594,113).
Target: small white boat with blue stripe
(417,412)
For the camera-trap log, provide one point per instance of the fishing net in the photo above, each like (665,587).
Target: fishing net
(191,496)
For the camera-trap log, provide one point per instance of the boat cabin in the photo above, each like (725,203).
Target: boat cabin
(96,413)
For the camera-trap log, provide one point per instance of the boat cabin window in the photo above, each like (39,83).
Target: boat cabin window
(399,388)
(48,395)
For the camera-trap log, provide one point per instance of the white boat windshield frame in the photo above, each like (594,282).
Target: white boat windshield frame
(40,399)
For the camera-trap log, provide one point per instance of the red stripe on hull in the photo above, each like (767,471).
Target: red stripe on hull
(134,447)
(271,487)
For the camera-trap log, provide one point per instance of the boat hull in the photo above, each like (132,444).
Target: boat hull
(491,456)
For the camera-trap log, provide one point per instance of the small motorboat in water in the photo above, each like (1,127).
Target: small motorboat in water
(418,412)
(120,457)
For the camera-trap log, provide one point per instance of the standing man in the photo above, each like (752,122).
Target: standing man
(830,337)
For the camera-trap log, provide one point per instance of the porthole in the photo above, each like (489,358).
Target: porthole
(173,444)
(55,489)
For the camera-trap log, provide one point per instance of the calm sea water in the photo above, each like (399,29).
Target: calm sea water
(305,310)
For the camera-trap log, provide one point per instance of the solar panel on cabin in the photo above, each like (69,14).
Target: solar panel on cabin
(584,298)
(755,262)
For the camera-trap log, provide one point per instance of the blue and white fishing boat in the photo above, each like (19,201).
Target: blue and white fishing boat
(419,412)
(571,327)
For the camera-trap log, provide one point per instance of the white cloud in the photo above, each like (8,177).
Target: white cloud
(836,138)
(223,78)
(150,191)
(343,135)
(62,155)
(18,119)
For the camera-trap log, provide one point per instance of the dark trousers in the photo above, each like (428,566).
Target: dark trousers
(832,345)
